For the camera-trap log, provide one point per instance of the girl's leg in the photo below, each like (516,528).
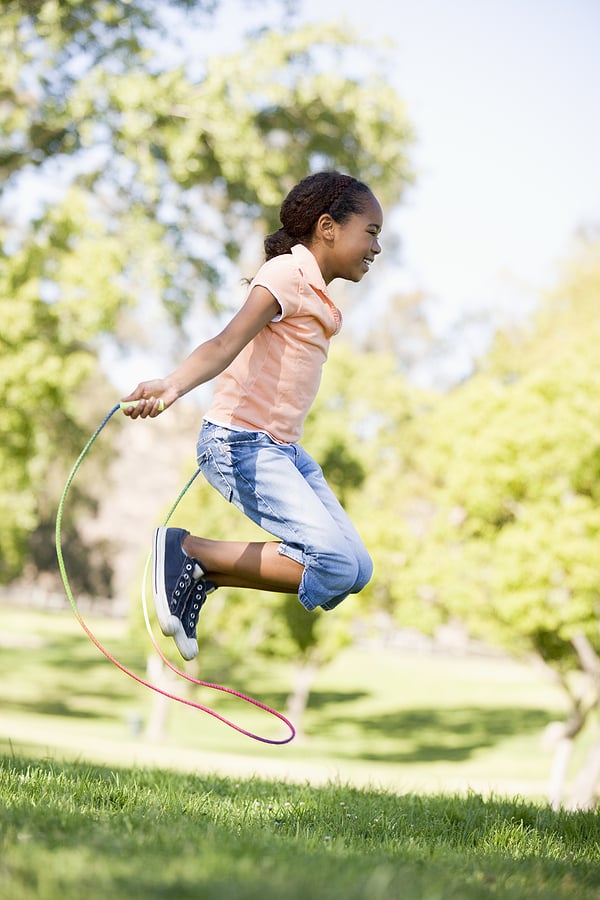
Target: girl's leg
(319,553)
(257,565)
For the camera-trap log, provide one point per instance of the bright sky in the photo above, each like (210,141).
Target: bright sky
(505,99)
(504,96)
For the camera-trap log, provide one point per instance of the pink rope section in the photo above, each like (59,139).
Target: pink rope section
(148,684)
(192,703)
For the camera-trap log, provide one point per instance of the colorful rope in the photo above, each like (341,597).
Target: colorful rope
(119,665)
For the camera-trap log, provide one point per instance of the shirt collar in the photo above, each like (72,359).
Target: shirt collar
(310,266)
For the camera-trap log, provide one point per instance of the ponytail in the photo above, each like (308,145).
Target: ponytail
(278,243)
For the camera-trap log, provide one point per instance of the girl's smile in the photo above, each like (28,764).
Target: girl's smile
(349,249)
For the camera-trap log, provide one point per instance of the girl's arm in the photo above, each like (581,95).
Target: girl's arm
(207,360)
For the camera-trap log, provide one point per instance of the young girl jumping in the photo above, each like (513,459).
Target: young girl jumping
(267,362)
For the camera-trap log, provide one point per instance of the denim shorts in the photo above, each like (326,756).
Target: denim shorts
(282,489)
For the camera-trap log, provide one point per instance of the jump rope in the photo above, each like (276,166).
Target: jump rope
(170,665)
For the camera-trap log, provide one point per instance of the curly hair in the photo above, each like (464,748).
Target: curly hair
(325,192)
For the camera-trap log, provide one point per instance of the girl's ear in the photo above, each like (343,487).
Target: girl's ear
(325,227)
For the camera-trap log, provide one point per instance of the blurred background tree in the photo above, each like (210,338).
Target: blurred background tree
(129,190)
(511,466)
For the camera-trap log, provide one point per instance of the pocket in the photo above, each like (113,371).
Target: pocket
(213,474)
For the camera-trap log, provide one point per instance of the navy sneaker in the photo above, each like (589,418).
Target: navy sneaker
(179,589)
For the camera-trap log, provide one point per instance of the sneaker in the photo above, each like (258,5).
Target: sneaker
(179,589)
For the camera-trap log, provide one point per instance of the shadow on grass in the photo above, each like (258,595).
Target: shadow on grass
(428,735)
(52,679)
(51,707)
(423,735)
(63,652)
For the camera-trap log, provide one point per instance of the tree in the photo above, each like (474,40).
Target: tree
(45,360)
(143,137)
(158,183)
(510,544)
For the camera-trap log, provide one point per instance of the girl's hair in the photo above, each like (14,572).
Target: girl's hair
(326,192)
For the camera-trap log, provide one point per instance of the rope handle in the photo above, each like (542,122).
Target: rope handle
(131,404)
(153,687)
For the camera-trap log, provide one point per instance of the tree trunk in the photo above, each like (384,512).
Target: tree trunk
(583,795)
(156,728)
(563,750)
(298,699)
(561,736)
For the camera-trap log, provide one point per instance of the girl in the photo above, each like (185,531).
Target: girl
(268,360)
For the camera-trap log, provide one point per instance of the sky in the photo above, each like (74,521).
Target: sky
(505,101)
(504,96)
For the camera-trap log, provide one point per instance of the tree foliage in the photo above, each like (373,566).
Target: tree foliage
(126,185)
(509,540)
(513,461)
(198,158)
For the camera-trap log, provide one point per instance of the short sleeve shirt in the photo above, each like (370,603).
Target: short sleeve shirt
(272,383)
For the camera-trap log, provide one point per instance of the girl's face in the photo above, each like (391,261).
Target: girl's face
(354,244)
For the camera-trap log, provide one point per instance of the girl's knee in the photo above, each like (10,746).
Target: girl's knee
(329,576)
(349,574)
(364,572)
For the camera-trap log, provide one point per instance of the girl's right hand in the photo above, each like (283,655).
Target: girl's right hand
(149,399)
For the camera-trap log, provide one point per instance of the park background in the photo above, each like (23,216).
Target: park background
(459,417)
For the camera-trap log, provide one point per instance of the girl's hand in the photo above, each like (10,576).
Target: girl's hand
(149,399)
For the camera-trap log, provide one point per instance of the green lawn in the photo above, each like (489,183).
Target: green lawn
(408,781)
(376,718)
(70,831)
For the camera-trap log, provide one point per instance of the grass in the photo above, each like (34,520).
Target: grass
(376,718)
(396,790)
(75,830)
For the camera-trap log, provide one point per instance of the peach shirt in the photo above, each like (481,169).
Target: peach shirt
(270,386)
